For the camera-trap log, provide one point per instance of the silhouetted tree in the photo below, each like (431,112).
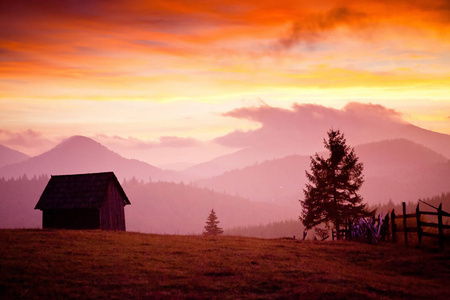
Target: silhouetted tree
(211,227)
(331,194)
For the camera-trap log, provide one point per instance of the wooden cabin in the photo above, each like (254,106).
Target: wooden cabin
(83,201)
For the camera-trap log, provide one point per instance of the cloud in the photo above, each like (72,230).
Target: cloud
(178,142)
(372,111)
(29,141)
(361,19)
(89,39)
(164,151)
(310,28)
(139,144)
(302,128)
(147,20)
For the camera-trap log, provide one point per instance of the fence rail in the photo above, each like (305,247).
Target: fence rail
(420,225)
(374,229)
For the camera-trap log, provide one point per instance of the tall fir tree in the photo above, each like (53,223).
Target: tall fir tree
(331,196)
(211,227)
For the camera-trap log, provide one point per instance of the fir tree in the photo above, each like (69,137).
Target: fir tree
(331,196)
(211,227)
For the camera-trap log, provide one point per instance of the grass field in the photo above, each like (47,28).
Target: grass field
(41,264)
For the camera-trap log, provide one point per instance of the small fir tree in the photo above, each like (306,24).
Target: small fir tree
(331,196)
(211,227)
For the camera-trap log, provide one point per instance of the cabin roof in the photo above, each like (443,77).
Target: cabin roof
(78,191)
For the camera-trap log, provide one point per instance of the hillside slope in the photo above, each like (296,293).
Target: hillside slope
(9,156)
(164,207)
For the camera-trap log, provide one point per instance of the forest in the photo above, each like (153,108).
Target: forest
(178,208)
(156,207)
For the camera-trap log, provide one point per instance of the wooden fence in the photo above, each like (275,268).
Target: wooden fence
(368,229)
(341,234)
(373,230)
(420,225)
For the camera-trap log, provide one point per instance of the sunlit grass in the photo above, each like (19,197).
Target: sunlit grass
(97,264)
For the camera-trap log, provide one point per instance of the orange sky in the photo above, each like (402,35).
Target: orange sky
(142,70)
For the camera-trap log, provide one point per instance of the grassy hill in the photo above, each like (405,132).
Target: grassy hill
(38,264)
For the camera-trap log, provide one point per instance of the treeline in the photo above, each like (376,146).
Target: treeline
(178,208)
(18,198)
(435,201)
(288,228)
(156,207)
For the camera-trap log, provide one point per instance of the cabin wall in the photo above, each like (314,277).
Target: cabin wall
(112,213)
(71,219)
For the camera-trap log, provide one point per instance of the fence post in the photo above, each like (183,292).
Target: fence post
(404,223)
(419,225)
(386,226)
(394,227)
(441,235)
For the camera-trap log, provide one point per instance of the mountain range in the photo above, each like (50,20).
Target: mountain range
(80,154)
(397,170)
(301,130)
(265,184)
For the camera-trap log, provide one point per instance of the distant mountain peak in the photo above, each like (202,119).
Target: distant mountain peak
(78,144)
(79,140)
(401,151)
(80,154)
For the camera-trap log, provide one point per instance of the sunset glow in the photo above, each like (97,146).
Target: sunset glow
(144,71)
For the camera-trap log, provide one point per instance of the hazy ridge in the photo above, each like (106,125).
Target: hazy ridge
(80,154)
(9,156)
(261,193)
(394,169)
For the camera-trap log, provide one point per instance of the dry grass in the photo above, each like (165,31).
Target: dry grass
(36,264)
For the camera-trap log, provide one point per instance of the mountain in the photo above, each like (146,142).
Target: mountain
(238,159)
(301,130)
(9,156)
(279,180)
(265,192)
(395,169)
(389,155)
(80,154)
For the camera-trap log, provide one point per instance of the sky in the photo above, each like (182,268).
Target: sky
(160,80)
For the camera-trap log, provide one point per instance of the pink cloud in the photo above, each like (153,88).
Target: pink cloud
(29,141)
(371,110)
(173,141)
(166,151)
(138,144)
(302,128)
